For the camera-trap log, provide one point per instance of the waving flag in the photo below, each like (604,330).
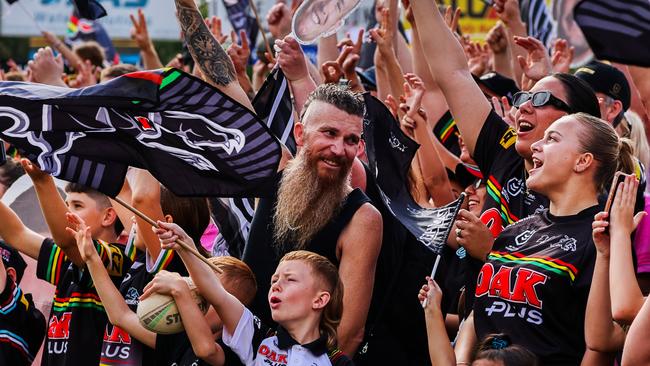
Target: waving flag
(390,153)
(616,30)
(273,105)
(191,137)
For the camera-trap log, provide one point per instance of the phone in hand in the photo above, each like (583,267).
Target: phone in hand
(619,178)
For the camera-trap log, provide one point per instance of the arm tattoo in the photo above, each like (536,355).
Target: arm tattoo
(213,61)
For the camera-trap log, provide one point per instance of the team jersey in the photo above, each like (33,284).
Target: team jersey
(176,350)
(249,343)
(22,326)
(535,284)
(118,347)
(508,199)
(77,321)
(447,133)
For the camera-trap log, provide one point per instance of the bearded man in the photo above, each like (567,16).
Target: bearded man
(313,207)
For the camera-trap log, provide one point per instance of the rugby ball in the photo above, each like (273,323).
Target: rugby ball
(159,313)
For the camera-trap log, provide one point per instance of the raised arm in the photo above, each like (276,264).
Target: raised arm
(432,168)
(626,295)
(293,63)
(602,334)
(54,210)
(63,49)
(116,308)
(146,199)
(212,60)
(360,243)
(509,13)
(228,307)
(384,37)
(641,77)
(447,62)
(501,45)
(140,35)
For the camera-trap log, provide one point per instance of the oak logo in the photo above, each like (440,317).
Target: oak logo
(59,327)
(277,358)
(522,289)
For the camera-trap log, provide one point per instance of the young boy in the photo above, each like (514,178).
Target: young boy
(22,325)
(194,347)
(77,321)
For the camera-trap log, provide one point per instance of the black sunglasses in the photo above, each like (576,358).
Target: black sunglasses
(540,99)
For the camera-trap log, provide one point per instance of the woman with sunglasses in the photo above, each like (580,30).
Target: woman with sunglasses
(502,153)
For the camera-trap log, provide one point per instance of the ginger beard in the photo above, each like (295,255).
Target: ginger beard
(306,201)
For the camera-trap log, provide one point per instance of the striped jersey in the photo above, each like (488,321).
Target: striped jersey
(22,326)
(535,284)
(78,320)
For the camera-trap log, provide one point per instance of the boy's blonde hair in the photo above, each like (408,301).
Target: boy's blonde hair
(237,278)
(328,274)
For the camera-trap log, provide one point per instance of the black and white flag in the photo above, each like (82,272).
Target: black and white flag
(390,153)
(194,139)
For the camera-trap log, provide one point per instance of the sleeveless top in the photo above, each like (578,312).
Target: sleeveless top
(262,255)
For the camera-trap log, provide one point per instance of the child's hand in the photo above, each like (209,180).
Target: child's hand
(35,173)
(165,283)
(432,293)
(81,233)
(168,233)
(601,238)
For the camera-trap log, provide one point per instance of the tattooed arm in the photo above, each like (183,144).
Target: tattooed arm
(213,61)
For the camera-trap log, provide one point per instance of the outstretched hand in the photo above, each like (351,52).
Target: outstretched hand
(81,232)
(34,171)
(139,32)
(536,65)
(562,55)
(622,218)
(239,54)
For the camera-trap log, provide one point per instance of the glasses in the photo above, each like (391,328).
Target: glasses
(540,99)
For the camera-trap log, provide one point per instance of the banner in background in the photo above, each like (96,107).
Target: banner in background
(53,15)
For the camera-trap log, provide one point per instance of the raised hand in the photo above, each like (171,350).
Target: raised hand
(139,32)
(279,20)
(504,110)
(478,58)
(536,65)
(356,46)
(214,24)
(497,38)
(384,35)
(81,232)
(34,172)
(622,218)
(332,72)
(507,10)
(86,75)
(391,103)
(562,55)
(413,91)
(452,17)
(291,58)
(45,68)
(239,54)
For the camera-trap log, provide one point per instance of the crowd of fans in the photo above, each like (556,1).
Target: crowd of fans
(546,263)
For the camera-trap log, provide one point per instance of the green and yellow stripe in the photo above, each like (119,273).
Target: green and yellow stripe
(547,263)
(53,273)
(78,300)
(447,129)
(494,191)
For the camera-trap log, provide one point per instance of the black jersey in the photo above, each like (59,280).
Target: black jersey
(535,283)
(77,322)
(22,326)
(118,347)
(176,350)
(505,174)
(447,133)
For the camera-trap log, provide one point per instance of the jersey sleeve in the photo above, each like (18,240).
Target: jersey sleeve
(496,138)
(22,326)
(247,337)
(115,259)
(52,262)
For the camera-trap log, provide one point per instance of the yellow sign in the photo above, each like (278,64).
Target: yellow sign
(477,17)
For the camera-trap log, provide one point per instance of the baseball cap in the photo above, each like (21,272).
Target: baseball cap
(606,79)
(12,258)
(498,84)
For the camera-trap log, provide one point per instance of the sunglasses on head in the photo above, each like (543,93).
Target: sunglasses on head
(540,99)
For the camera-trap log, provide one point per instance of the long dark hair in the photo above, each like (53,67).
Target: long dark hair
(580,96)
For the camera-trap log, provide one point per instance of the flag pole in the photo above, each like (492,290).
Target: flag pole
(259,25)
(31,16)
(433,274)
(178,241)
